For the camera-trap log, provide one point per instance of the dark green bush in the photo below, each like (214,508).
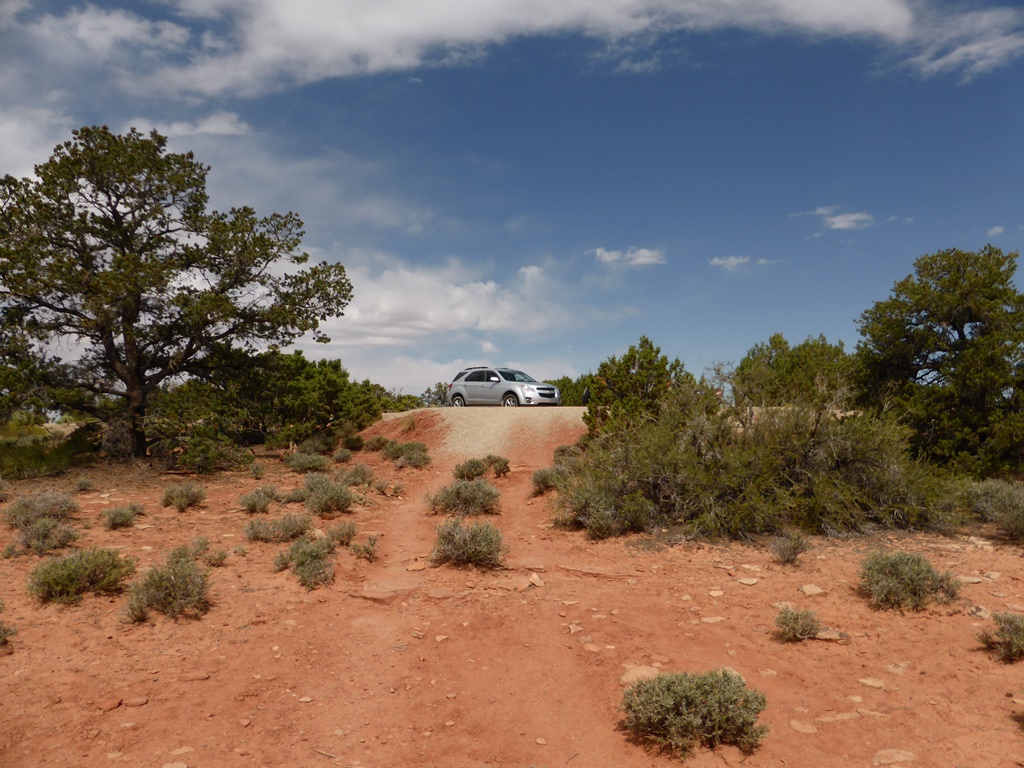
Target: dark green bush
(905,580)
(180,587)
(287,528)
(121,517)
(413,454)
(679,711)
(498,464)
(465,497)
(353,443)
(357,474)
(294,496)
(310,560)
(787,547)
(1008,639)
(66,579)
(792,626)
(181,496)
(376,443)
(547,479)
(306,462)
(321,442)
(258,500)
(478,544)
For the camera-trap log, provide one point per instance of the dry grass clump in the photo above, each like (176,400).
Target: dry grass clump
(309,559)
(366,551)
(1000,502)
(180,587)
(465,497)
(479,544)
(904,580)
(787,547)
(49,504)
(181,496)
(287,528)
(1008,639)
(121,517)
(794,626)
(306,462)
(258,500)
(66,579)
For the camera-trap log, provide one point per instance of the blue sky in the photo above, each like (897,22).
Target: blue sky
(539,184)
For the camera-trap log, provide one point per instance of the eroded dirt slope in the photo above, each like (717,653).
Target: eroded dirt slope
(400,663)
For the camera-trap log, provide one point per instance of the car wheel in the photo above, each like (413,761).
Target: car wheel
(458,402)
(510,400)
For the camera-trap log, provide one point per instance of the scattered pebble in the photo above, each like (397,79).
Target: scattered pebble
(890,756)
(871,682)
(136,701)
(712,619)
(542,742)
(536,580)
(812,590)
(748,582)
(802,727)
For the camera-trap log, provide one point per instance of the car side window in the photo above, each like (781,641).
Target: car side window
(476,376)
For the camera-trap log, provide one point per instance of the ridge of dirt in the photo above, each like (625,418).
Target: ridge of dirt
(402,663)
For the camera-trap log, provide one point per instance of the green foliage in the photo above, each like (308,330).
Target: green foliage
(353,443)
(376,443)
(366,551)
(573,391)
(48,455)
(998,501)
(110,244)
(42,536)
(904,580)
(632,388)
(342,533)
(258,500)
(470,469)
(181,496)
(435,396)
(84,484)
(306,462)
(180,587)
(946,352)
(478,544)
(679,711)
(257,470)
(776,374)
(324,496)
(498,464)
(342,456)
(465,497)
(319,442)
(1008,639)
(412,454)
(547,479)
(356,475)
(310,560)
(66,579)
(25,511)
(121,517)
(787,547)
(215,558)
(793,626)
(287,528)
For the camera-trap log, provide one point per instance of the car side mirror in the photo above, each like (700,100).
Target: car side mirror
(494,378)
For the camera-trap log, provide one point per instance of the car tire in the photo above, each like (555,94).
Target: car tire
(510,400)
(458,402)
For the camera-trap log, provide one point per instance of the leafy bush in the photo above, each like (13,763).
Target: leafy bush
(353,443)
(294,496)
(309,559)
(258,500)
(470,469)
(323,496)
(478,544)
(321,442)
(342,533)
(44,535)
(905,580)
(306,462)
(1008,639)
(215,558)
(793,626)
(465,497)
(367,551)
(66,579)
(287,528)
(679,711)
(498,464)
(46,456)
(342,456)
(180,587)
(121,517)
(413,454)
(357,474)
(998,501)
(181,496)
(376,443)
(547,479)
(25,511)
(787,547)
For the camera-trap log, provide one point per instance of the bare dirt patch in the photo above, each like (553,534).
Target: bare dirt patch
(401,663)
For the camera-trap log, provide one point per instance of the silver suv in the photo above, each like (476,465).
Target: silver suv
(482,385)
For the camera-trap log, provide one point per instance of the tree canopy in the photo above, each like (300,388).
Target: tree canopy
(946,350)
(776,373)
(115,279)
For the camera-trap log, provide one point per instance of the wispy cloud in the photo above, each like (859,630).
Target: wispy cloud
(832,217)
(729,263)
(633,257)
(995,231)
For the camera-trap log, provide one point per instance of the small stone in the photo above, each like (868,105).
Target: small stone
(993,575)
(890,756)
(638,673)
(873,713)
(871,682)
(969,580)
(754,568)
(592,648)
(536,580)
(802,727)
(812,590)
(136,701)
(449,723)
(109,705)
(716,593)
(181,751)
(174,765)
(768,673)
(192,677)
(899,667)
(712,619)
(979,612)
(831,636)
(574,628)
(542,742)
(245,722)
(441,638)
(305,699)
(838,717)
(747,582)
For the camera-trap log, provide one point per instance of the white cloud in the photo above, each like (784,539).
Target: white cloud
(970,42)
(489,348)
(831,218)
(995,231)
(633,257)
(729,263)
(28,136)
(94,33)
(216,124)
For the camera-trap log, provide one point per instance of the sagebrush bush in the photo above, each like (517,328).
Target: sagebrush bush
(998,501)
(180,587)
(478,544)
(787,547)
(547,479)
(1008,639)
(366,551)
(465,497)
(321,442)
(905,580)
(412,454)
(792,626)
(342,456)
(325,497)
(470,469)
(357,474)
(258,500)
(257,470)
(121,517)
(287,528)
(376,443)
(342,533)
(294,496)
(215,558)
(84,484)
(498,464)
(26,510)
(66,579)
(306,462)
(679,711)
(44,535)
(182,496)
(353,443)
(310,560)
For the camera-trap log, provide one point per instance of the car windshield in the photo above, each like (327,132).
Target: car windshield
(515,376)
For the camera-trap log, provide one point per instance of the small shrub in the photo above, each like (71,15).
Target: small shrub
(342,456)
(679,711)
(23,512)
(397,489)
(376,443)
(546,479)
(498,464)
(792,626)
(66,579)
(357,474)
(309,559)
(181,496)
(288,528)
(992,501)
(367,551)
(294,496)
(306,462)
(318,443)
(240,550)
(1008,639)
(258,500)
(353,443)
(412,454)
(904,580)
(44,535)
(479,544)
(6,630)
(787,548)
(470,469)
(342,533)
(121,517)
(180,587)
(465,497)
(215,558)
(257,470)
(84,484)
(326,497)
(414,459)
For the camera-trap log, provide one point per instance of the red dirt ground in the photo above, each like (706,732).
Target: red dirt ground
(399,663)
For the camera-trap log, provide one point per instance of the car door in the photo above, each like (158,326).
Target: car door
(473,382)
(491,388)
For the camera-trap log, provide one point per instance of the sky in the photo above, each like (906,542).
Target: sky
(539,184)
